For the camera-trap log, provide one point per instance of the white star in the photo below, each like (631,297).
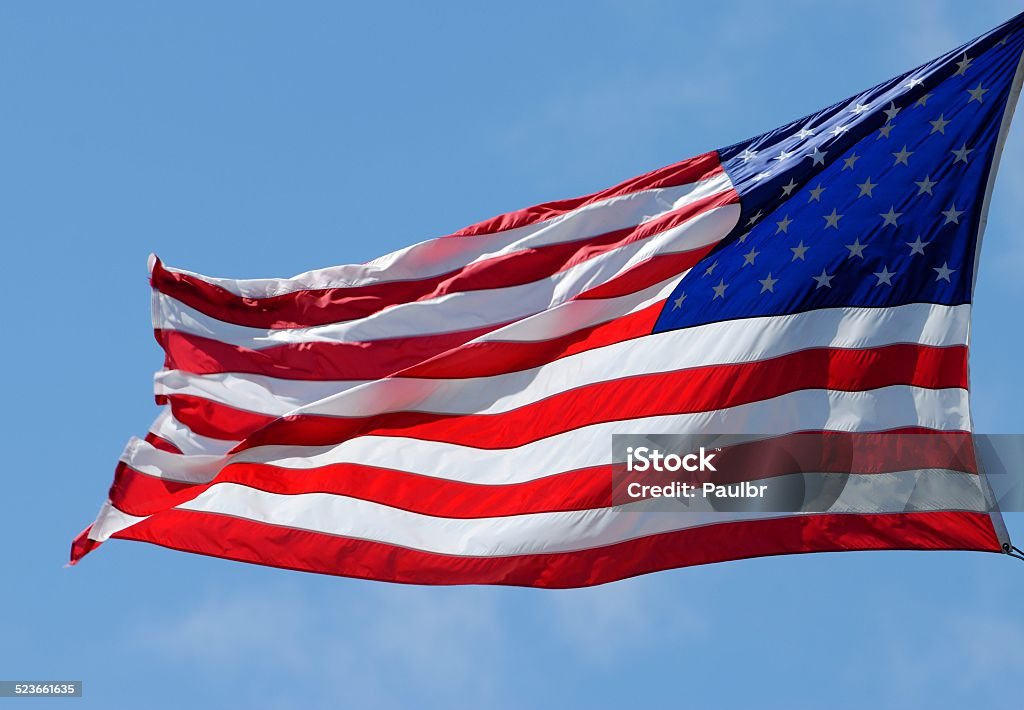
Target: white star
(743,237)
(816,194)
(823,280)
(749,257)
(783,225)
(977,94)
(799,251)
(818,157)
(891,112)
(719,289)
(679,301)
(839,130)
(804,133)
(754,218)
(707,271)
(890,216)
(748,155)
(768,284)
(866,187)
(832,220)
(962,153)
(856,249)
(761,176)
(1002,42)
(849,162)
(944,272)
(923,100)
(952,215)
(926,185)
(783,154)
(939,125)
(917,246)
(860,108)
(788,188)
(884,131)
(964,64)
(884,276)
(902,156)
(913,82)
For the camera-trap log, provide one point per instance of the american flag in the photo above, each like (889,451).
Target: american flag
(444,414)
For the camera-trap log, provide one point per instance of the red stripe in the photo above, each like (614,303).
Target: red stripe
(311,307)
(308,361)
(133,492)
(139,494)
(213,419)
(684,172)
(259,543)
(82,546)
(698,389)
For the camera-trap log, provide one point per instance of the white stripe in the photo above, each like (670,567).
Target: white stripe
(146,458)
(253,393)
(458,311)
(567,531)
(806,410)
(440,256)
(109,521)
(874,410)
(738,341)
(723,343)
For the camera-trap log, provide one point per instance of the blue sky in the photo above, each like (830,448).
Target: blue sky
(251,139)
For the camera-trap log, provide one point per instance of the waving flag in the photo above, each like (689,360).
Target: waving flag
(444,414)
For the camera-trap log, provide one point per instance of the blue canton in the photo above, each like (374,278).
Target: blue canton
(873,202)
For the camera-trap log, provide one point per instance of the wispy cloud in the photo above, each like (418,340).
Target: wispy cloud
(365,643)
(968,654)
(605,625)
(376,645)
